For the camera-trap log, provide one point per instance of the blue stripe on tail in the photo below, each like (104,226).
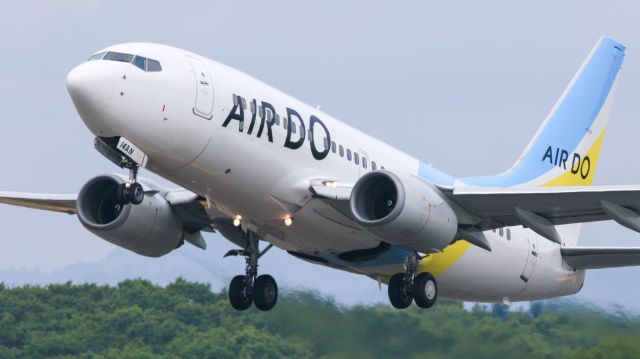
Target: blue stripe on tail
(570,119)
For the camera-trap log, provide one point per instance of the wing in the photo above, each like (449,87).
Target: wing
(596,257)
(65,203)
(188,206)
(542,208)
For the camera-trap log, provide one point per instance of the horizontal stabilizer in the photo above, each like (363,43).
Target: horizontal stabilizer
(600,257)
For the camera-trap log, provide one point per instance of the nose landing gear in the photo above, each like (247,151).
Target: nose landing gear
(410,286)
(124,155)
(249,288)
(131,191)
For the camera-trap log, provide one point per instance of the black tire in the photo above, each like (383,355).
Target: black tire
(239,295)
(425,290)
(399,292)
(265,292)
(136,193)
(122,194)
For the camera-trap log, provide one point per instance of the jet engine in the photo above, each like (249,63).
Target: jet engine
(401,209)
(149,228)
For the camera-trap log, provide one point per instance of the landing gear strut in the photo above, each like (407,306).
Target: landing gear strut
(131,191)
(411,286)
(250,288)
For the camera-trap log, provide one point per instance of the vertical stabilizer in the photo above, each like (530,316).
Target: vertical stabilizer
(566,148)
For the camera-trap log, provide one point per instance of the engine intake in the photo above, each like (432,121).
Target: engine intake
(402,209)
(150,228)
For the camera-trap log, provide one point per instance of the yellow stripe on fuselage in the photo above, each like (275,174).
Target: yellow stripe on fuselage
(437,263)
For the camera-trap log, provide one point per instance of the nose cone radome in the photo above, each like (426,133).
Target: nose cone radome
(90,85)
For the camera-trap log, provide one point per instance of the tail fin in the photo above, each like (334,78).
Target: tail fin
(565,149)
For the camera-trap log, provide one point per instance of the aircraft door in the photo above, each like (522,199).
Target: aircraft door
(204,89)
(532,256)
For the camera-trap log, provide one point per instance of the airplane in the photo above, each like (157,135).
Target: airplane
(264,169)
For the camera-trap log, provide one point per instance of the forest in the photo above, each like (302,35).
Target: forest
(137,319)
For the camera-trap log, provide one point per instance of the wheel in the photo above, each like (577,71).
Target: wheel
(122,194)
(425,290)
(239,293)
(136,193)
(265,292)
(399,291)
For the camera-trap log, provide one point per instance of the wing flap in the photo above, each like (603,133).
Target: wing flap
(560,205)
(600,257)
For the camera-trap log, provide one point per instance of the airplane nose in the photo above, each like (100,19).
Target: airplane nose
(90,86)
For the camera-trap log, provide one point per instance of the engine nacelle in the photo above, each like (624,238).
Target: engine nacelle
(149,228)
(401,209)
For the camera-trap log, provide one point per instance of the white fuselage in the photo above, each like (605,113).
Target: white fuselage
(177,117)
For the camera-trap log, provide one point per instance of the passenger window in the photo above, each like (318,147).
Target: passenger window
(341,150)
(285,123)
(381,167)
(117,56)
(348,154)
(501,232)
(269,116)
(309,135)
(235,99)
(261,111)
(244,103)
(253,107)
(364,162)
(326,143)
(277,120)
(374,166)
(508,234)
(356,158)
(293,127)
(333,146)
(153,66)
(140,62)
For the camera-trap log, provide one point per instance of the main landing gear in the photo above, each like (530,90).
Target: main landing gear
(261,290)
(131,191)
(411,286)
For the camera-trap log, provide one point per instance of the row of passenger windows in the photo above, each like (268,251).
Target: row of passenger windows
(335,148)
(142,63)
(501,232)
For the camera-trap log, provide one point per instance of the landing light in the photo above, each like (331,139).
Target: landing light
(127,184)
(331,184)
(288,221)
(237,220)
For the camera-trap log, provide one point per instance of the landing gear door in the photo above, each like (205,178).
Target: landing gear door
(532,257)
(204,89)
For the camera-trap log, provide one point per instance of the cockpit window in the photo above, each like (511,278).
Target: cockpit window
(97,56)
(153,66)
(118,56)
(140,62)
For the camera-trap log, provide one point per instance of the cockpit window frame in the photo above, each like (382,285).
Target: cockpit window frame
(147,65)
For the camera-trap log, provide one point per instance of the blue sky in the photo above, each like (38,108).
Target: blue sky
(462,85)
